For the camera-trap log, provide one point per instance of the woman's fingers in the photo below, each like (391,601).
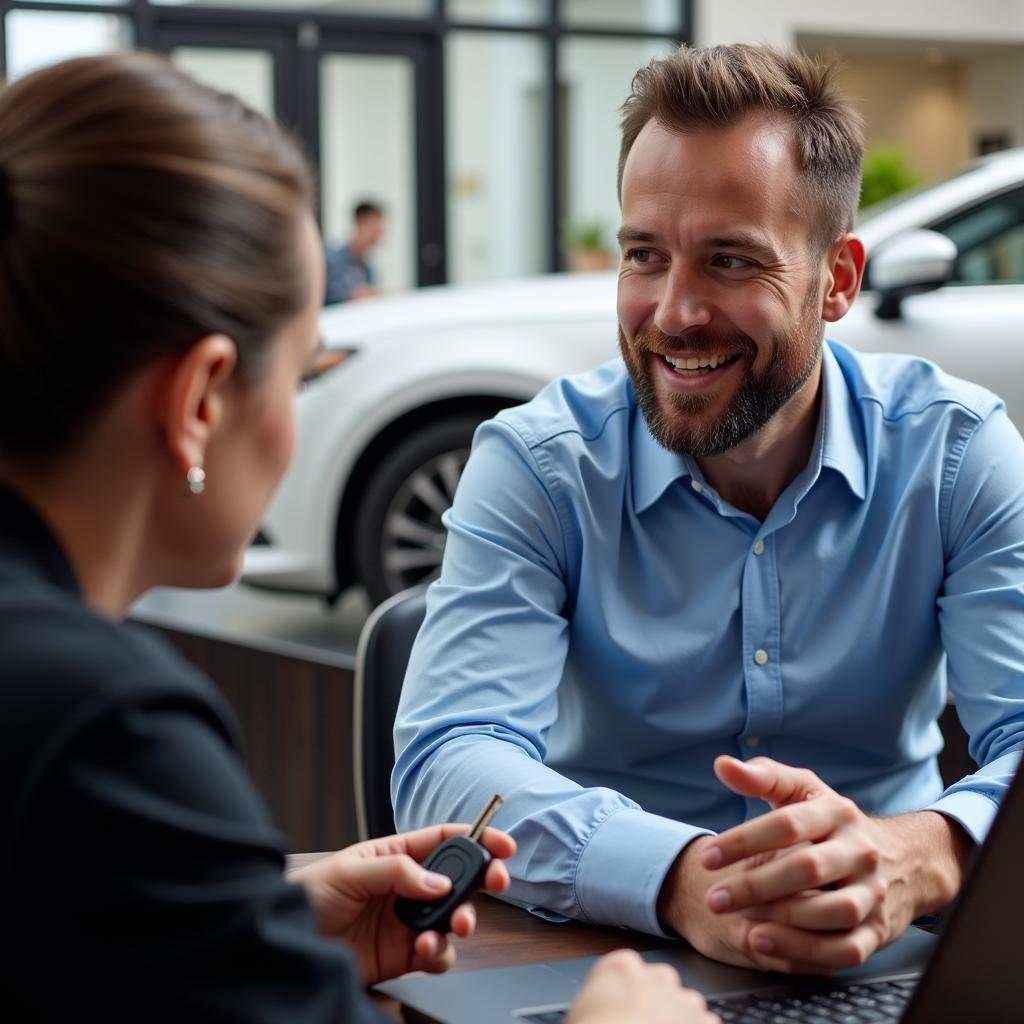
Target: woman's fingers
(432,952)
(394,873)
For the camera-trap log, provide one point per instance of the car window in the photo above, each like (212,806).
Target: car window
(990,240)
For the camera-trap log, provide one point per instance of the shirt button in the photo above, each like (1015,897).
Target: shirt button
(761,656)
(759,548)
(752,742)
(696,485)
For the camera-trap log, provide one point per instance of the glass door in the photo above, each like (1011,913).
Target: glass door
(368,112)
(367,130)
(376,131)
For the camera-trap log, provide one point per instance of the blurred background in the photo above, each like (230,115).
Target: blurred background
(487,129)
(485,133)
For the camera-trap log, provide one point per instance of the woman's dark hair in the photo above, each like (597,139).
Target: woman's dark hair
(139,211)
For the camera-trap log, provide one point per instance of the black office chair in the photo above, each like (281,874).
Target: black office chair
(381,658)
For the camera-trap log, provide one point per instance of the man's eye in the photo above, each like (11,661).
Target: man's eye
(727,262)
(639,255)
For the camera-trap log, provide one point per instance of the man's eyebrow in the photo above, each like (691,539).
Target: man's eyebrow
(631,234)
(747,242)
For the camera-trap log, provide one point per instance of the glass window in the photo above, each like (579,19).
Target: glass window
(500,12)
(645,15)
(596,76)
(496,110)
(990,241)
(249,74)
(367,152)
(370,8)
(36,38)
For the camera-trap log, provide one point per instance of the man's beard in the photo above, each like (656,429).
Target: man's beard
(760,396)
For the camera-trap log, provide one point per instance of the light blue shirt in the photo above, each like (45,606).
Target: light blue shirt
(605,625)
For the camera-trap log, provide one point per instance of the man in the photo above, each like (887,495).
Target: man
(349,276)
(736,567)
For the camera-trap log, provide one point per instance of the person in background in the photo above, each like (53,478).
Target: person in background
(349,276)
(160,283)
(700,607)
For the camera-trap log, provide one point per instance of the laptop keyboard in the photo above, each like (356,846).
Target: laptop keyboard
(864,1003)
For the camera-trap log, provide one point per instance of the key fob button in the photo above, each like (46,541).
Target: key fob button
(451,864)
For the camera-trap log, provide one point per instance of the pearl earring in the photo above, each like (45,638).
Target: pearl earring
(196,479)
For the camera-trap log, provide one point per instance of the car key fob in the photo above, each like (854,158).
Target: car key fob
(464,861)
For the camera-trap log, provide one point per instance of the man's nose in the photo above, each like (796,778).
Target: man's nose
(683,304)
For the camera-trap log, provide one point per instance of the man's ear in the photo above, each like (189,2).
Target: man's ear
(190,397)
(844,268)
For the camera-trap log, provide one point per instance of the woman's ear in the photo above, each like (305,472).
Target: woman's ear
(190,397)
(844,270)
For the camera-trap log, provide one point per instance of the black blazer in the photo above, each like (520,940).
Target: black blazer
(140,876)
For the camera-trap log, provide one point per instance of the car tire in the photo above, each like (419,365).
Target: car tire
(398,538)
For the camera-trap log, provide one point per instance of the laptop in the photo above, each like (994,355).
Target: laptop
(973,973)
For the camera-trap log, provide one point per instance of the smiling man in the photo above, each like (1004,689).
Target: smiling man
(738,568)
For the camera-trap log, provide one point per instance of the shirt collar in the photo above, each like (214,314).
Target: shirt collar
(843,448)
(655,469)
(26,539)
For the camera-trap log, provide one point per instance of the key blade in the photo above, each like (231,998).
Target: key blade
(486,815)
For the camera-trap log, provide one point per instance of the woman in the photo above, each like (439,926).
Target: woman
(160,279)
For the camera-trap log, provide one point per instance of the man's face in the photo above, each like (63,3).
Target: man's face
(719,297)
(370,229)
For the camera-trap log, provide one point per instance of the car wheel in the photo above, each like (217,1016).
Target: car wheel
(399,538)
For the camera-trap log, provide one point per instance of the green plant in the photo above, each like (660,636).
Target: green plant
(585,234)
(885,174)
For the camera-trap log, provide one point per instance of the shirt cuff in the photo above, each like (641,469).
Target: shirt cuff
(622,867)
(973,811)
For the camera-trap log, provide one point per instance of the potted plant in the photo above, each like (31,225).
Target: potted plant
(585,241)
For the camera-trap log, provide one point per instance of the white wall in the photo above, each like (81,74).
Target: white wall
(780,21)
(929,120)
(994,92)
(496,162)
(934,111)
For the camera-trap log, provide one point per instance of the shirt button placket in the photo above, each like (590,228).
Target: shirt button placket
(760,614)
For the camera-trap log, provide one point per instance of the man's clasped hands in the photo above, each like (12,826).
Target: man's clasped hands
(812,885)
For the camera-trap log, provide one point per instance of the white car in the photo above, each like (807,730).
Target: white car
(385,427)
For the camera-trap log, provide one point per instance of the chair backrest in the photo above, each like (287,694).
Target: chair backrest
(381,658)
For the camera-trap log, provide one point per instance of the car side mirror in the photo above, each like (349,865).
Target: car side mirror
(912,263)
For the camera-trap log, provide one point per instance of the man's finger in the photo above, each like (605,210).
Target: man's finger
(836,910)
(768,780)
(808,821)
(809,867)
(842,949)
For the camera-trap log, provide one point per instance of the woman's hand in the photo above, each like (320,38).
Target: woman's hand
(622,989)
(353,895)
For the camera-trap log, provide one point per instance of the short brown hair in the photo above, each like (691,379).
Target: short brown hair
(719,85)
(139,211)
